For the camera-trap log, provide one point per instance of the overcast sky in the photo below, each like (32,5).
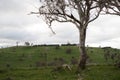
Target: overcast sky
(17,26)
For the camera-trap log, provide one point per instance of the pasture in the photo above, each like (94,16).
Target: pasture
(38,63)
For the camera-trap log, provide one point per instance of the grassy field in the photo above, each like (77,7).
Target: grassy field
(29,63)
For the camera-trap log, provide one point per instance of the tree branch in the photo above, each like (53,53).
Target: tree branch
(96,16)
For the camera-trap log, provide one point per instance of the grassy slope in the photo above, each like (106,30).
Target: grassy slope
(31,55)
(26,69)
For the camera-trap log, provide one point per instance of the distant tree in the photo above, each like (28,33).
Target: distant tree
(27,44)
(17,43)
(31,44)
(68,43)
(78,12)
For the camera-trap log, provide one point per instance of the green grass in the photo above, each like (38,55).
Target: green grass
(19,63)
(30,55)
(101,73)
(92,73)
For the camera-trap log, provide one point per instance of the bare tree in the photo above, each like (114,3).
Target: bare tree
(78,12)
(110,6)
(17,43)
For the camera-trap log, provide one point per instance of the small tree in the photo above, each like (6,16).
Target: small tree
(17,43)
(78,12)
(27,44)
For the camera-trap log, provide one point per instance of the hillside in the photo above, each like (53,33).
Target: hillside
(39,61)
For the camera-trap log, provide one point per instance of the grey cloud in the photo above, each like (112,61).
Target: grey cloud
(11,6)
(18,6)
(13,34)
(18,20)
(66,32)
(14,13)
(104,29)
(16,25)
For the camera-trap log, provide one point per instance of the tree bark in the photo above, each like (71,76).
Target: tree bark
(83,54)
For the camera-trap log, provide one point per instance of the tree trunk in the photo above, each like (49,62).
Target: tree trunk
(83,54)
